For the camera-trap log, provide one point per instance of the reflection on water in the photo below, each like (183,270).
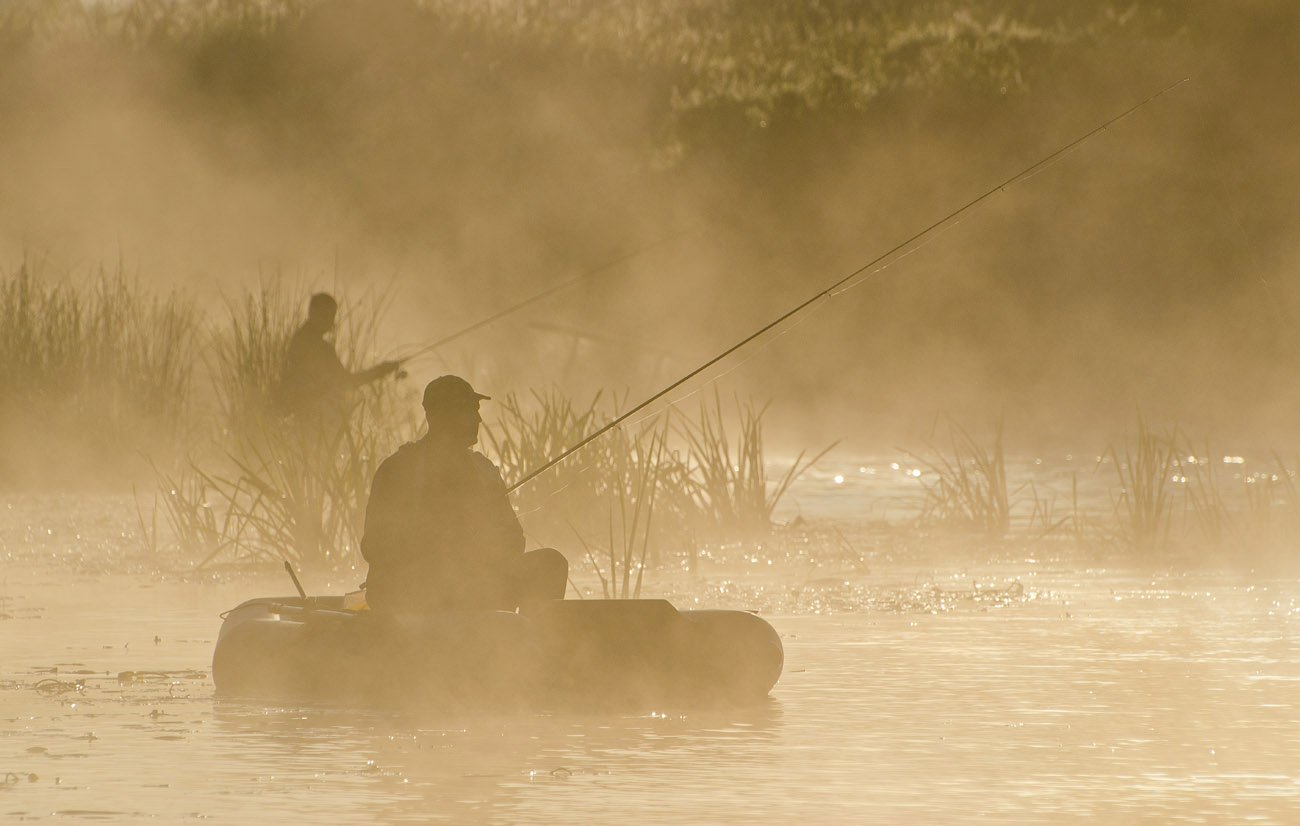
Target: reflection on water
(1083,696)
(422,767)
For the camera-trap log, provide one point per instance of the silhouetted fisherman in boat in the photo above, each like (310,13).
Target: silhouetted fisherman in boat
(440,533)
(314,383)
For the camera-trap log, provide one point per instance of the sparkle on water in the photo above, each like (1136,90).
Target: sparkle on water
(919,688)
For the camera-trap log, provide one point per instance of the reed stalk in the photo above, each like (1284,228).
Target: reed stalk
(729,482)
(295,488)
(1144,508)
(631,514)
(100,369)
(969,490)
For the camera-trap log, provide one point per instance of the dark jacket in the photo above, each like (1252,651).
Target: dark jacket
(440,532)
(313,377)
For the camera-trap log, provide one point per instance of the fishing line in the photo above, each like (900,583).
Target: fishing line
(891,262)
(709,382)
(546,293)
(827,292)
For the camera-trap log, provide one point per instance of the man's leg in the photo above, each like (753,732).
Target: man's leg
(541,575)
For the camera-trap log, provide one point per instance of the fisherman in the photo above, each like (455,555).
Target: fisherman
(440,532)
(314,382)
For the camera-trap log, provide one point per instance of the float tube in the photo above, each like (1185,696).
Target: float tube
(564,653)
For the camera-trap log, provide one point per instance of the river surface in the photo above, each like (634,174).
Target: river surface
(1024,692)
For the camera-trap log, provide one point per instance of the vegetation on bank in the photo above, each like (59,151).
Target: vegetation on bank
(777,58)
(359,93)
(105,373)
(513,138)
(88,370)
(352,95)
(1157,495)
(98,373)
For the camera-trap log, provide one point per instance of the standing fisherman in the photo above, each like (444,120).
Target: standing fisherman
(314,383)
(440,532)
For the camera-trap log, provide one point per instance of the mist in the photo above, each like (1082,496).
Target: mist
(1001,528)
(464,159)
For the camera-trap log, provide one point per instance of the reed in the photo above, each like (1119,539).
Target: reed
(1251,515)
(526,432)
(1045,518)
(287,488)
(292,492)
(1273,500)
(969,490)
(247,353)
(247,350)
(1214,518)
(100,368)
(691,476)
(1144,507)
(728,481)
(637,485)
(192,505)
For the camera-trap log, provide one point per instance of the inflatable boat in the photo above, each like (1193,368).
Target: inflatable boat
(564,653)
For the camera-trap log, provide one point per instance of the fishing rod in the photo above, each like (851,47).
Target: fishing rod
(831,290)
(548,292)
(294,576)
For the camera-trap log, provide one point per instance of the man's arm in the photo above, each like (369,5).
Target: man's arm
(328,369)
(507,533)
(380,370)
(379,535)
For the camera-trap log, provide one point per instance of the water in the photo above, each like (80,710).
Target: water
(1095,696)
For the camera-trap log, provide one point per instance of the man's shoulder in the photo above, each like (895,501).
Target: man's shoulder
(301,336)
(485,469)
(309,343)
(410,455)
(403,458)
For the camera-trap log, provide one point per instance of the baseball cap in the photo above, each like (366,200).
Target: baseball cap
(450,389)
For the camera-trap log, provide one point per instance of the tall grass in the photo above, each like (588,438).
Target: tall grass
(248,350)
(528,431)
(727,480)
(969,487)
(296,488)
(1159,497)
(1248,514)
(1208,502)
(107,358)
(697,476)
(247,355)
(292,492)
(95,369)
(1147,472)
(191,510)
(639,469)
(300,493)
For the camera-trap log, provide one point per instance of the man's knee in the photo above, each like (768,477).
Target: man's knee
(545,574)
(549,561)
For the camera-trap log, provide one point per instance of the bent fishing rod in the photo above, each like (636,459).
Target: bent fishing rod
(547,293)
(830,291)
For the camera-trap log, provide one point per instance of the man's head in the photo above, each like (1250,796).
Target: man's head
(451,407)
(321,311)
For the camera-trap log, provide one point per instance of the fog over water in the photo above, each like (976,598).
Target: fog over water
(1035,563)
(464,161)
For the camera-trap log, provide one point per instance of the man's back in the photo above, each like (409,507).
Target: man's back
(313,375)
(440,532)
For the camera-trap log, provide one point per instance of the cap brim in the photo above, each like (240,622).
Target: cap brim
(471,397)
